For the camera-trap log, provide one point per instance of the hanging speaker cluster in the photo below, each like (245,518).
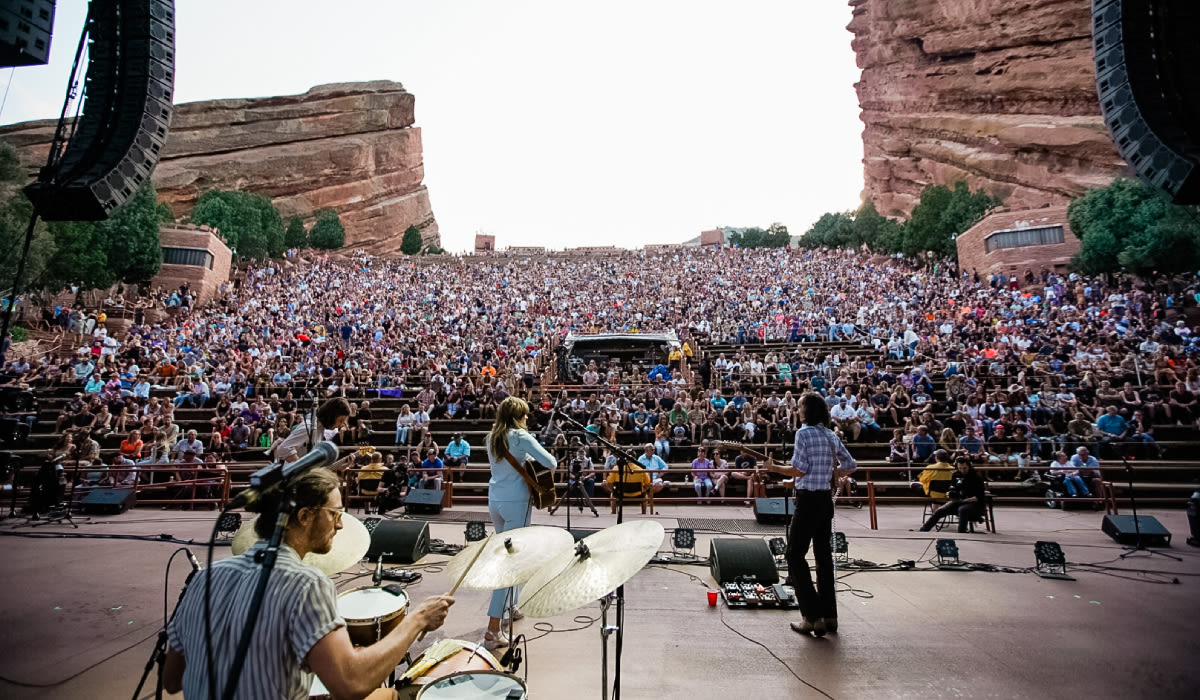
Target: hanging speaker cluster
(126,112)
(1146,55)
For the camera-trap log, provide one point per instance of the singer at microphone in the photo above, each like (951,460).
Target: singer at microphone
(332,416)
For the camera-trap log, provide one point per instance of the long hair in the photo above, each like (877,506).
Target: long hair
(510,415)
(816,411)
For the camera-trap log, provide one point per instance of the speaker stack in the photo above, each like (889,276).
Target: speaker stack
(1146,55)
(127,108)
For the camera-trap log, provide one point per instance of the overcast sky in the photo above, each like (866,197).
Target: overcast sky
(554,122)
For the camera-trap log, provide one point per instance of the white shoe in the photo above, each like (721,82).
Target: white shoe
(494,640)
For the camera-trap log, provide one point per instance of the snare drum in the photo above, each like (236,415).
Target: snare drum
(467,658)
(371,613)
(475,685)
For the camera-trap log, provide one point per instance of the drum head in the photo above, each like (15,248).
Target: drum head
(475,685)
(370,603)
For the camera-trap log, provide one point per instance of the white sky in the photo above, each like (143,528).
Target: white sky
(556,123)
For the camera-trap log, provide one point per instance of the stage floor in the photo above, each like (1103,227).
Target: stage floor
(80,615)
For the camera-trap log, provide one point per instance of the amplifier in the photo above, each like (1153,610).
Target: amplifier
(1121,528)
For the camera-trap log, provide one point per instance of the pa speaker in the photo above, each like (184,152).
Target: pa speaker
(127,109)
(735,559)
(110,501)
(1122,529)
(25,29)
(424,501)
(1145,55)
(773,511)
(397,541)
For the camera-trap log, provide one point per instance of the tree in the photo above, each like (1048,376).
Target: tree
(879,233)
(411,243)
(15,212)
(1130,227)
(941,215)
(327,233)
(832,230)
(295,236)
(250,223)
(97,254)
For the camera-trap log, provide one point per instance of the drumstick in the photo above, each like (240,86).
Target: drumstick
(458,583)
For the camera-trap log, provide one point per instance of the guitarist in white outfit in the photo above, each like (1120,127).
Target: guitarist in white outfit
(508,494)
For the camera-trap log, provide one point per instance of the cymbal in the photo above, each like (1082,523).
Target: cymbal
(508,558)
(350,544)
(591,570)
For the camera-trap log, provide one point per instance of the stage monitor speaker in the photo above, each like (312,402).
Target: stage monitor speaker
(127,109)
(398,541)
(773,511)
(424,501)
(109,501)
(733,559)
(25,30)
(1145,53)
(1121,528)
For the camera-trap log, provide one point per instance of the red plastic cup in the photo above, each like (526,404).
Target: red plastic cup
(712,599)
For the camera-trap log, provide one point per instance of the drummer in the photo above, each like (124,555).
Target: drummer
(508,494)
(299,631)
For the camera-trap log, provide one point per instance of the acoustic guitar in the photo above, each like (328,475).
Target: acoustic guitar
(540,480)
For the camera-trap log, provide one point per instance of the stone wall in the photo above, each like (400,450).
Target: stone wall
(999,93)
(350,147)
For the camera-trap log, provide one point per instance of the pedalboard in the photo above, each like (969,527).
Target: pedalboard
(740,595)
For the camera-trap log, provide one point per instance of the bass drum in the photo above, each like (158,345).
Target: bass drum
(475,685)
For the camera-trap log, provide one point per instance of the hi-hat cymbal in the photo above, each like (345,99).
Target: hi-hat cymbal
(594,568)
(508,558)
(349,545)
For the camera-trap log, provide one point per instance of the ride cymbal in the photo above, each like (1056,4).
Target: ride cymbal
(350,544)
(508,558)
(596,566)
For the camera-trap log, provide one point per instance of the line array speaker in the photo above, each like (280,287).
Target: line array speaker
(1146,53)
(25,30)
(126,112)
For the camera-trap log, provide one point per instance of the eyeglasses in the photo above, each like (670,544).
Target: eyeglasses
(337,512)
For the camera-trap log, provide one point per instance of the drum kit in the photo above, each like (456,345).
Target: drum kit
(559,575)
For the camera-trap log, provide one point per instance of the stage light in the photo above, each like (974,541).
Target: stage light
(1051,561)
(778,546)
(476,530)
(947,552)
(228,525)
(683,541)
(841,548)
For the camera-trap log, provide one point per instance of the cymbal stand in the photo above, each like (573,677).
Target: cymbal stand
(624,459)
(605,631)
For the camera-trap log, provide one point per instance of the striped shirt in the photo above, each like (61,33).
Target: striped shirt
(813,456)
(298,610)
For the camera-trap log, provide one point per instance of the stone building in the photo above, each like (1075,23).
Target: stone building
(196,255)
(1010,242)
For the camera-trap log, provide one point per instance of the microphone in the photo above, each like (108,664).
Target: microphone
(546,428)
(321,454)
(195,562)
(378,577)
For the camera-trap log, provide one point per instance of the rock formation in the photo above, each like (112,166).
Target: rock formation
(350,147)
(999,93)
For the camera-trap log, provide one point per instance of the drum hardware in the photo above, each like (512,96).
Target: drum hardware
(158,656)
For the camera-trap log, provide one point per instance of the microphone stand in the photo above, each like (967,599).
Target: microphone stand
(159,655)
(623,460)
(267,557)
(1137,528)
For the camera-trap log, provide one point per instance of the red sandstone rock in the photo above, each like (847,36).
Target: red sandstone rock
(1000,93)
(351,147)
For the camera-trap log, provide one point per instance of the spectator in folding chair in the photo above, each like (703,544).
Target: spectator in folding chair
(635,487)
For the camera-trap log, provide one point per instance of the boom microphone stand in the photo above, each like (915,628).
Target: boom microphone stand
(159,655)
(1137,528)
(624,459)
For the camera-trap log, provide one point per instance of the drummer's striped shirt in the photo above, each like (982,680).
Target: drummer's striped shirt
(299,608)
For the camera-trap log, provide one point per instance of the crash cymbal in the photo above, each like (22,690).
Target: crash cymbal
(508,558)
(349,545)
(592,569)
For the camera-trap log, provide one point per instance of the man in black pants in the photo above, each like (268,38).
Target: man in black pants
(816,448)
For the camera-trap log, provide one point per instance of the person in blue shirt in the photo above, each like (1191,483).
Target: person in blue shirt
(508,495)
(923,445)
(432,469)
